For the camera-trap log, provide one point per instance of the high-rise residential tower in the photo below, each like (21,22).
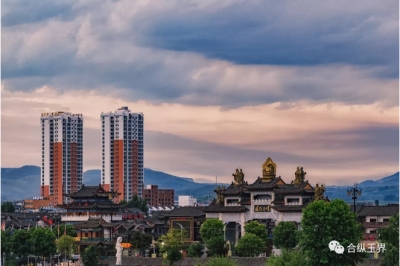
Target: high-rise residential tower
(122,152)
(62,155)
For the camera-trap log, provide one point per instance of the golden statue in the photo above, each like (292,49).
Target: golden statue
(319,192)
(269,169)
(220,199)
(299,176)
(238,176)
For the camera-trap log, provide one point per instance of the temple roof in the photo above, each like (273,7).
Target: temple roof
(94,223)
(262,183)
(276,184)
(378,210)
(292,189)
(185,212)
(224,209)
(90,206)
(89,192)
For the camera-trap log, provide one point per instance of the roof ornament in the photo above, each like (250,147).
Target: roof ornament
(299,176)
(268,170)
(319,192)
(238,176)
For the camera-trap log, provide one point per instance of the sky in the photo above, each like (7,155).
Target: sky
(222,84)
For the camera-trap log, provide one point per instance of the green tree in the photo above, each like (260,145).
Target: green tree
(5,241)
(7,207)
(5,245)
(211,228)
(323,222)
(195,250)
(44,242)
(285,235)
(173,254)
(91,256)
(141,240)
(257,229)
(250,245)
(390,237)
(173,238)
(21,243)
(171,243)
(216,246)
(58,230)
(212,233)
(288,258)
(138,203)
(66,245)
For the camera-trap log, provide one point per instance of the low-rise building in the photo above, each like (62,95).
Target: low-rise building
(374,218)
(189,219)
(36,203)
(184,201)
(158,197)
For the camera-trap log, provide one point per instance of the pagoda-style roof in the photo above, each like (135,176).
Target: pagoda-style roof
(94,223)
(293,189)
(91,192)
(224,209)
(91,206)
(185,212)
(266,184)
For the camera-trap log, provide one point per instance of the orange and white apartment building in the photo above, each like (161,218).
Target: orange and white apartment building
(122,153)
(62,155)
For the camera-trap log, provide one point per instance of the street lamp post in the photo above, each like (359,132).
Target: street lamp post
(354,192)
(181,230)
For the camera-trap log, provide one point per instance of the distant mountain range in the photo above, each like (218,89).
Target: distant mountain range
(24,183)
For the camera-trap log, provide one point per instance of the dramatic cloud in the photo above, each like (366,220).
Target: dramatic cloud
(334,143)
(222,84)
(114,46)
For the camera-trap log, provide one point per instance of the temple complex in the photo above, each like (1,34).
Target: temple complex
(91,202)
(269,200)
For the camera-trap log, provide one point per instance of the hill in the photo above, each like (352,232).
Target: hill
(392,180)
(23,183)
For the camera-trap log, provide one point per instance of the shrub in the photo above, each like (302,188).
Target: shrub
(219,261)
(195,250)
(288,258)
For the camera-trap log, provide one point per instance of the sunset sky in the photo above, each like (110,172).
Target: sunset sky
(222,84)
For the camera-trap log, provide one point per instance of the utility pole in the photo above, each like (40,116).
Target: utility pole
(353,192)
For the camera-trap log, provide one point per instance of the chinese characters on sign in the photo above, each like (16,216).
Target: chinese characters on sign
(371,248)
(262,208)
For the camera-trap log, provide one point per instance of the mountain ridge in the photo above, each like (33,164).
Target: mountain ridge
(23,183)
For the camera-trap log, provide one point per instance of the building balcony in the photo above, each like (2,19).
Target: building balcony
(232,204)
(375,224)
(262,201)
(76,218)
(292,203)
